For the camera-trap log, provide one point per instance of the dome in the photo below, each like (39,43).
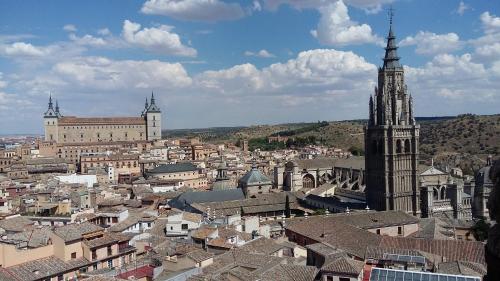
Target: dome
(255,177)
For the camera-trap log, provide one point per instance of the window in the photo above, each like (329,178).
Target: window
(94,255)
(407,146)
(398,146)
(94,267)
(110,251)
(400,230)
(343,279)
(378,231)
(184,226)
(110,263)
(73,255)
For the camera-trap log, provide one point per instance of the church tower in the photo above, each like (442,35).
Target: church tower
(50,118)
(153,120)
(391,139)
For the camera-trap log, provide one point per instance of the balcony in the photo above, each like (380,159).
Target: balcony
(125,249)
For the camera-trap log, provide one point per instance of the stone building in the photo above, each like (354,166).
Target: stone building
(222,180)
(391,140)
(254,182)
(443,194)
(481,193)
(71,129)
(393,178)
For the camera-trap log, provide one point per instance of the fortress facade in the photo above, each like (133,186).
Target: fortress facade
(70,129)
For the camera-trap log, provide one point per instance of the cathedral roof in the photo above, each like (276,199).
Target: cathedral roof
(255,177)
(432,171)
(391,58)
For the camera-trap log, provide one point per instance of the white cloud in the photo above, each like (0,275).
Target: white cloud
(311,72)
(104,31)
(256,6)
(88,40)
(336,28)
(462,7)
(489,51)
(69,28)
(454,77)
(21,49)
(429,43)
(194,10)
(261,54)
(487,46)
(491,23)
(159,39)
(111,75)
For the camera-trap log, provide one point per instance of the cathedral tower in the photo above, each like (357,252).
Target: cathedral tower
(391,140)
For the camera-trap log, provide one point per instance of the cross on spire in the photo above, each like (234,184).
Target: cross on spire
(391,14)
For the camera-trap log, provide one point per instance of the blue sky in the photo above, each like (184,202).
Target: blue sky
(227,63)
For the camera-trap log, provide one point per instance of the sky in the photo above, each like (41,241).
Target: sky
(230,63)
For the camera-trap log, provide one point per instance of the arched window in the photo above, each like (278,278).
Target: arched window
(443,193)
(435,194)
(407,146)
(398,146)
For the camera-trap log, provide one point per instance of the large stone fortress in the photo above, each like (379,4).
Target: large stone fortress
(71,129)
(391,140)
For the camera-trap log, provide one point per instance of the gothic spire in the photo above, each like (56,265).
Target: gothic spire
(152,98)
(391,59)
(50,110)
(57,109)
(152,105)
(50,101)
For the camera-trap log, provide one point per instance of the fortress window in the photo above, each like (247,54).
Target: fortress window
(398,146)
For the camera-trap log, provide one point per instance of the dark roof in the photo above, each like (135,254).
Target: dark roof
(190,197)
(73,232)
(199,255)
(344,265)
(15,224)
(462,268)
(255,177)
(452,250)
(41,269)
(173,168)
(290,272)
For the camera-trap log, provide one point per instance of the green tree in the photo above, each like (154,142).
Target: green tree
(480,230)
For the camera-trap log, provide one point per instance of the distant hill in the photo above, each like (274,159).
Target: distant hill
(451,140)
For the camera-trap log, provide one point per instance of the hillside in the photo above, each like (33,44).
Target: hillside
(464,140)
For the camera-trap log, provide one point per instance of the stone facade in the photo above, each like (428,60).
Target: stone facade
(391,140)
(393,181)
(70,129)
